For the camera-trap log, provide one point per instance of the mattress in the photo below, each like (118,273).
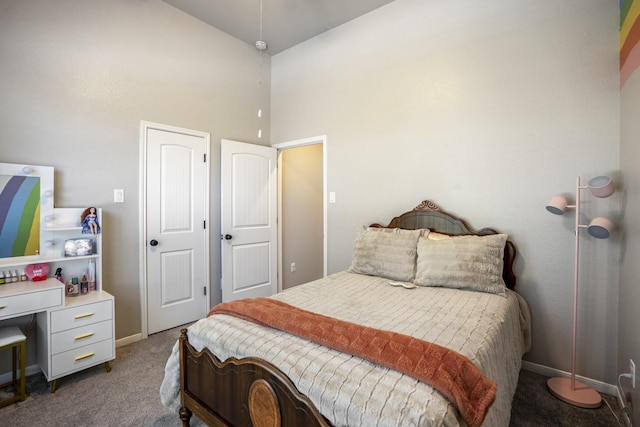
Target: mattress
(493,331)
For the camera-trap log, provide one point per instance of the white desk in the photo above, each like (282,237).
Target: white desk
(24,298)
(73,333)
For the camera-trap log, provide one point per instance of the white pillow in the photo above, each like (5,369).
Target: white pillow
(388,253)
(462,262)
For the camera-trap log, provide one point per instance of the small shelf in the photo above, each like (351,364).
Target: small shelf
(63,224)
(11,262)
(63,228)
(43,260)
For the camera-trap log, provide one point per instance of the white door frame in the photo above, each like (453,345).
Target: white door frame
(321,139)
(142,207)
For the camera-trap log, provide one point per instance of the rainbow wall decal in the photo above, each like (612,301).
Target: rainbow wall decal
(19,215)
(629,38)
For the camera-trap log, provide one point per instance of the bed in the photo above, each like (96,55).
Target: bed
(427,277)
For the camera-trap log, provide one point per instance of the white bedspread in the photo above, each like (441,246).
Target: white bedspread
(492,331)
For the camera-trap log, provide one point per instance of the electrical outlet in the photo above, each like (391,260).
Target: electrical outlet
(632,371)
(293,267)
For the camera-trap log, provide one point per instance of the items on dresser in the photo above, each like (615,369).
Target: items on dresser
(37,272)
(12,276)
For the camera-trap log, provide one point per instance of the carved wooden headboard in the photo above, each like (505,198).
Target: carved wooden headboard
(428,215)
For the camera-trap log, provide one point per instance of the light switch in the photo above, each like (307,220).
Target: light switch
(118,195)
(332,197)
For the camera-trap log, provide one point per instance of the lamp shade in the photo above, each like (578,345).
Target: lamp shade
(600,227)
(557,205)
(601,186)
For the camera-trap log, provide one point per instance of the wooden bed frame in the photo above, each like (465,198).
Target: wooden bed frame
(253,392)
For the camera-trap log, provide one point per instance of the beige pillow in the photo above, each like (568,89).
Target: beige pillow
(462,262)
(388,253)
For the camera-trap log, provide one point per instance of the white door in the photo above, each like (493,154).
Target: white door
(248,220)
(177,203)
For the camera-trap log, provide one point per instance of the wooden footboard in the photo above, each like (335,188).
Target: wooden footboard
(240,392)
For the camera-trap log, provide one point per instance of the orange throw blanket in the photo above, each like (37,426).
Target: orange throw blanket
(449,372)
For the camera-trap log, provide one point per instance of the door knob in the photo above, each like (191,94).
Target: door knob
(228,237)
(153,242)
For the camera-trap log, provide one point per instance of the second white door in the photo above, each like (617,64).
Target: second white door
(248,220)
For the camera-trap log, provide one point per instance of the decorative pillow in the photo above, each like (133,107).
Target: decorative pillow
(462,262)
(388,253)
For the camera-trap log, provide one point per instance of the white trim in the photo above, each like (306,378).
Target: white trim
(278,220)
(128,340)
(142,231)
(600,386)
(144,127)
(320,139)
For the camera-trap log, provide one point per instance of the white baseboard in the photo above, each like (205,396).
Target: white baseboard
(128,340)
(600,386)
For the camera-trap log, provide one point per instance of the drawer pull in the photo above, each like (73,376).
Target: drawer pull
(84,356)
(87,335)
(2,306)
(80,316)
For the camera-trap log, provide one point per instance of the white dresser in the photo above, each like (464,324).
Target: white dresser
(76,336)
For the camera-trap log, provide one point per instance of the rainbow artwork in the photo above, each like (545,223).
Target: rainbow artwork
(629,38)
(19,215)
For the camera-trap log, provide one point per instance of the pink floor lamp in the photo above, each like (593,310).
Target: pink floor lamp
(568,389)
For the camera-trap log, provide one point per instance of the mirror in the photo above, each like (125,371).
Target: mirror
(26,205)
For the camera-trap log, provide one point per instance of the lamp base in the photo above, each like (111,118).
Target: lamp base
(582,395)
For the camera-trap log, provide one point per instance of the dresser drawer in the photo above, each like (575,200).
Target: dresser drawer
(81,315)
(81,336)
(30,302)
(81,358)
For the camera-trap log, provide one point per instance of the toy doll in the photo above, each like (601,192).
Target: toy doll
(89,219)
(59,275)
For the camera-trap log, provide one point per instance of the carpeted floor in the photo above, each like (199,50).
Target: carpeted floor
(534,406)
(129,396)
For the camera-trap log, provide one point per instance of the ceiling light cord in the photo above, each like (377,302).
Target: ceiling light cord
(260,20)
(261,45)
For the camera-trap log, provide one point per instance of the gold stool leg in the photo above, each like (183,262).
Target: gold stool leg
(19,384)
(23,363)
(14,365)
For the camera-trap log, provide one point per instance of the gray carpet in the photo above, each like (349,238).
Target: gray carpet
(128,396)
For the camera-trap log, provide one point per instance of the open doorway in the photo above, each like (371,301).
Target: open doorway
(302,211)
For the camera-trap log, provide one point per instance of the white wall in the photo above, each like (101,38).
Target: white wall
(78,76)
(629,317)
(488,110)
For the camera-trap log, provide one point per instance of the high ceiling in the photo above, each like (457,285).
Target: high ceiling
(285,23)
